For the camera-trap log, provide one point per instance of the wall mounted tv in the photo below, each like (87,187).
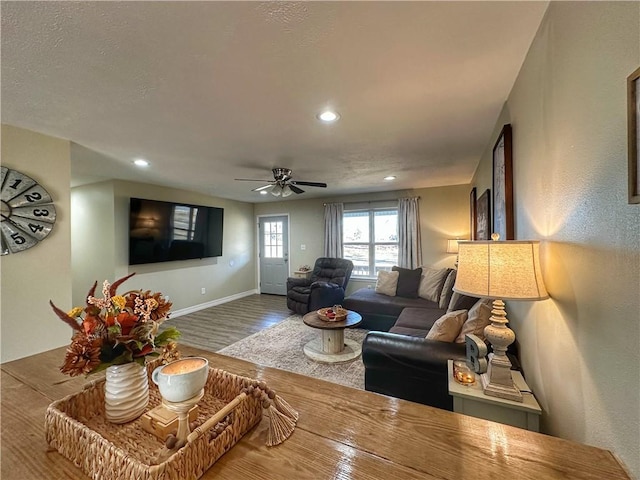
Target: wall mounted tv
(167,231)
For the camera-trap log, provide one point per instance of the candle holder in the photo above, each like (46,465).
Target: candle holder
(182,410)
(463,374)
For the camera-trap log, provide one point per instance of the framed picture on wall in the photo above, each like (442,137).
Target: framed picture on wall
(472,213)
(633,129)
(503,185)
(483,216)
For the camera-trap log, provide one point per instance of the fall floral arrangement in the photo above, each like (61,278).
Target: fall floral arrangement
(116,329)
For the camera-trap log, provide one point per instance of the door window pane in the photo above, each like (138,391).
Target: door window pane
(272,238)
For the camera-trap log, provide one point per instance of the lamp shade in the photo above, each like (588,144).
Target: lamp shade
(508,270)
(452,246)
(276,191)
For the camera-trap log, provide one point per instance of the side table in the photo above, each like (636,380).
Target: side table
(471,400)
(302,274)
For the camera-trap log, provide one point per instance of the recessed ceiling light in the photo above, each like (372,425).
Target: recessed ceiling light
(141,162)
(389,178)
(328,116)
(263,192)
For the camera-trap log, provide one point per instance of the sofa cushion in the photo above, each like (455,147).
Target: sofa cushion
(447,289)
(408,282)
(431,283)
(477,320)
(367,301)
(387,283)
(459,301)
(447,327)
(421,319)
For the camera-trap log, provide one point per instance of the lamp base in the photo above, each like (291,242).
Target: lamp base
(498,382)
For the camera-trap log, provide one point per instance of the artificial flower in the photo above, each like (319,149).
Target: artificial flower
(116,329)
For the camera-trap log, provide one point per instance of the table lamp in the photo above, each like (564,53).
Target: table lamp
(507,270)
(452,247)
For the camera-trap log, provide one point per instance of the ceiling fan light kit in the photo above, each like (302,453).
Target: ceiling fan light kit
(282,183)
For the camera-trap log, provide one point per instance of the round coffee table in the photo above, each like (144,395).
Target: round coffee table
(332,347)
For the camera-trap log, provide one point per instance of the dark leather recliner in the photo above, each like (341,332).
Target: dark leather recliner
(325,288)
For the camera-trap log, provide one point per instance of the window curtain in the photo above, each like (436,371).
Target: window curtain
(333,230)
(409,243)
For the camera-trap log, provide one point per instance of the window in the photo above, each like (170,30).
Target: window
(184,222)
(273,240)
(370,240)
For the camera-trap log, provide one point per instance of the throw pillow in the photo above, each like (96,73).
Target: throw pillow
(408,282)
(447,289)
(477,320)
(387,283)
(431,283)
(447,327)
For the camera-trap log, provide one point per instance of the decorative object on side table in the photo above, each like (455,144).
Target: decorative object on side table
(508,270)
(116,333)
(476,353)
(633,130)
(462,373)
(503,185)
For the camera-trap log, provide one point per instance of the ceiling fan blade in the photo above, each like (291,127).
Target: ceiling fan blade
(254,180)
(309,184)
(259,189)
(295,189)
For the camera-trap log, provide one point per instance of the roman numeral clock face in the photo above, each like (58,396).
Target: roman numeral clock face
(28,214)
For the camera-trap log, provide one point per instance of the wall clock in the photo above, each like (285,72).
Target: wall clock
(28,214)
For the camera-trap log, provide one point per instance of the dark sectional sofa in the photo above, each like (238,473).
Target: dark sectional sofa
(398,360)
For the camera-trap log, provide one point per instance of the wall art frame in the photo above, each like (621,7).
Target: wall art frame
(472,213)
(483,216)
(633,130)
(503,185)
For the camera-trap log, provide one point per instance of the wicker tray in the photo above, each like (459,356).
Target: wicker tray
(341,314)
(77,428)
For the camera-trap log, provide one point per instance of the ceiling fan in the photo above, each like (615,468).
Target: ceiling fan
(282,184)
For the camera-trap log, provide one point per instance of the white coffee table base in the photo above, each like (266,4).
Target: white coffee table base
(326,349)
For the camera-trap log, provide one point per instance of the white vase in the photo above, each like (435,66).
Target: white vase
(126,392)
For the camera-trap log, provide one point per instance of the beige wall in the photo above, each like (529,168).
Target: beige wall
(579,349)
(92,234)
(444,213)
(32,277)
(182,281)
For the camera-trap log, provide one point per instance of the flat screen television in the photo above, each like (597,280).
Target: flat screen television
(168,231)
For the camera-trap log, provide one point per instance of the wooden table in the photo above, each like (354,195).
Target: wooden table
(342,434)
(331,346)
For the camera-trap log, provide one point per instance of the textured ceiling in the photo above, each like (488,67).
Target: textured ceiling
(212,91)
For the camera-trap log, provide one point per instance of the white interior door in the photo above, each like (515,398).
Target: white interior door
(274,254)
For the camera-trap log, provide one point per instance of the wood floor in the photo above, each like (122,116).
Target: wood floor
(217,327)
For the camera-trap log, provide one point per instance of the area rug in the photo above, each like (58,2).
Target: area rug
(280,346)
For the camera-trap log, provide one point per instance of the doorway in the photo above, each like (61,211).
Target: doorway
(273,240)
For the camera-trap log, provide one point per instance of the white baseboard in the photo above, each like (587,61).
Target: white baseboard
(212,303)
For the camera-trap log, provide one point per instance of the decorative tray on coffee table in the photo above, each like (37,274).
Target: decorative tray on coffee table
(333,314)
(76,427)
